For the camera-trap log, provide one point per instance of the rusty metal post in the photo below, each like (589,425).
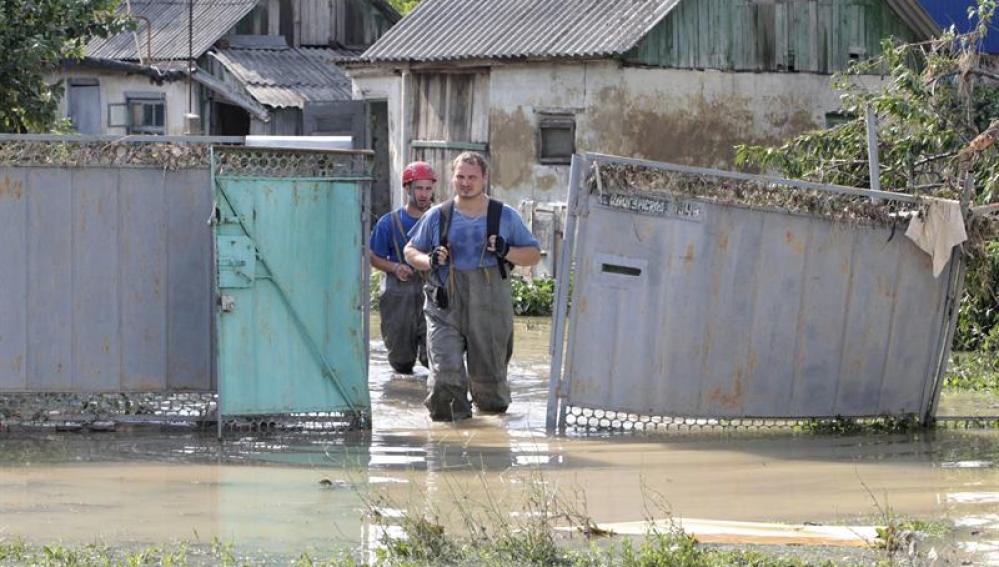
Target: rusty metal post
(872,150)
(955,288)
(564,274)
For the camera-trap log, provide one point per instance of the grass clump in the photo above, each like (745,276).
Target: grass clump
(673,548)
(17,552)
(840,425)
(550,531)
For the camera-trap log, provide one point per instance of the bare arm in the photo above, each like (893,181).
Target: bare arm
(523,255)
(518,255)
(399,270)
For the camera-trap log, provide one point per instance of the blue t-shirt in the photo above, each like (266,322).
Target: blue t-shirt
(385,230)
(467,237)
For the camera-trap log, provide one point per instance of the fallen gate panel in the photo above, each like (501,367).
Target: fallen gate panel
(289,253)
(693,308)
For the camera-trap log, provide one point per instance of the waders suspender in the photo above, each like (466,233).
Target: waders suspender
(493,216)
(397,221)
(494,213)
(443,226)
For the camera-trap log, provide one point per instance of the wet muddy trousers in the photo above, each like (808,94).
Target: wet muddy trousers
(470,342)
(404,328)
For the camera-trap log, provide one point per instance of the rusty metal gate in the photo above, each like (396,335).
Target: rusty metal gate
(712,295)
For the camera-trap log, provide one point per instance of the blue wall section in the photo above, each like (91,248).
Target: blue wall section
(955,12)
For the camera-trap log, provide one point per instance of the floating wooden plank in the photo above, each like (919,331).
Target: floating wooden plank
(759,533)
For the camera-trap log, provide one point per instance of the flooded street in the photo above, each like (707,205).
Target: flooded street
(285,493)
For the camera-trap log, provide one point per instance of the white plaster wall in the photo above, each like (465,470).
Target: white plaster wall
(387,86)
(683,116)
(112,90)
(691,117)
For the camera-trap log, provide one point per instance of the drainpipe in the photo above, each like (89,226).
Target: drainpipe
(149,40)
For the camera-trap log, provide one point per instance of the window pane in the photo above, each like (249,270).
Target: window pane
(556,143)
(158,120)
(136,111)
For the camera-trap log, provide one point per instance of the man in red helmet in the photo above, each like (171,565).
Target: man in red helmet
(404,328)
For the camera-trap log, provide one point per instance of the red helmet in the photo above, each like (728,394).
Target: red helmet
(418,170)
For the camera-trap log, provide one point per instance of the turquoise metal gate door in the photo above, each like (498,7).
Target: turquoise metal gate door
(290,314)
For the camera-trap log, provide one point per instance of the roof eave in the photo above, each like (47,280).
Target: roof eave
(916,17)
(479,61)
(126,67)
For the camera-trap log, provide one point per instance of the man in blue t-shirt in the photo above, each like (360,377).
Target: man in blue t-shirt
(469,305)
(404,329)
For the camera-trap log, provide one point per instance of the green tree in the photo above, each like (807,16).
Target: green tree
(934,101)
(35,35)
(938,119)
(404,7)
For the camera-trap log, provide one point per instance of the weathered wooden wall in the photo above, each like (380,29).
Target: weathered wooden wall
(347,22)
(819,36)
(284,122)
(451,110)
(451,106)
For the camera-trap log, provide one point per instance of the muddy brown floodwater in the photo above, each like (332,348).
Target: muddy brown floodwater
(264,493)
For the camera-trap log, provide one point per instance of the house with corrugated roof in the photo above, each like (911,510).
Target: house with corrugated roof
(237,67)
(532,81)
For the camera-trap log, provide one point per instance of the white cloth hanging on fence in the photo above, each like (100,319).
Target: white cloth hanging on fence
(938,230)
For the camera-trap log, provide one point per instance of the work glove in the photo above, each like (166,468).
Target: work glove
(434,260)
(502,247)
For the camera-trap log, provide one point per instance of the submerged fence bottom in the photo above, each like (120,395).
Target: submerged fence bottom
(583,420)
(104,412)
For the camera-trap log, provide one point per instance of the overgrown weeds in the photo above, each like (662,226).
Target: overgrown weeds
(17,552)
(840,425)
(549,530)
(375,288)
(973,371)
(535,296)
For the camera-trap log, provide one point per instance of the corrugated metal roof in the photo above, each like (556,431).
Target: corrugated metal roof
(446,30)
(212,19)
(284,78)
(449,30)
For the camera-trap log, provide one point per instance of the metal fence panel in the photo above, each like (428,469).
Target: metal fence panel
(144,315)
(105,285)
(13,286)
(731,311)
(289,256)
